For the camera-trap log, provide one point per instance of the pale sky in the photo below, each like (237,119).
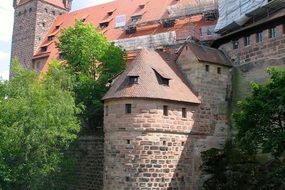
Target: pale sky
(6,20)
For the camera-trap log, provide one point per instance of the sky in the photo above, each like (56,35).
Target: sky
(6,20)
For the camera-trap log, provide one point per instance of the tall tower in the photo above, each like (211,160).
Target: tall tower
(32,20)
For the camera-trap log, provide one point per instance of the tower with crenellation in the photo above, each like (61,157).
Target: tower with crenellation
(32,20)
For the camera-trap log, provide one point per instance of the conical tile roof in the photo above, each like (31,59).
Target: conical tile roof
(149,67)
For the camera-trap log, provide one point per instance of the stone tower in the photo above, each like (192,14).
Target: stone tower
(161,113)
(32,20)
(148,117)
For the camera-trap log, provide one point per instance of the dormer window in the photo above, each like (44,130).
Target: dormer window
(133,80)
(168,23)
(50,38)
(162,80)
(136,18)
(142,6)
(44,49)
(104,25)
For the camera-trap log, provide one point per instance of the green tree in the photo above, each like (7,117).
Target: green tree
(261,121)
(255,158)
(92,60)
(37,125)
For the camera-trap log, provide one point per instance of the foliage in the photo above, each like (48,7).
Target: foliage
(92,60)
(261,121)
(37,124)
(260,127)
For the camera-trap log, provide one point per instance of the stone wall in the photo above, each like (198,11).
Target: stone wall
(212,115)
(89,155)
(252,61)
(145,149)
(32,21)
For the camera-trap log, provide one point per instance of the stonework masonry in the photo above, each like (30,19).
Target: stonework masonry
(252,61)
(32,20)
(143,148)
(212,83)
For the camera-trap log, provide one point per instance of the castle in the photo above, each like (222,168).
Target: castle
(174,99)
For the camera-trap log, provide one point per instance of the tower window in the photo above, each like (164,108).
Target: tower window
(53,12)
(106,110)
(259,37)
(165,110)
(19,13)
(128,108)
(219,70)
(46,10)
(30,9)
(207,68)
(133,79)
(128,141)
(168,23)
(235,44)
(246,40)
(272,32)
(184,113)
(43,24)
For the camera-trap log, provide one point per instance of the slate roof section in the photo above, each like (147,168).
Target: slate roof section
(207,54)
(146,63)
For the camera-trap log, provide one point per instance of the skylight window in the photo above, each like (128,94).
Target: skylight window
(121,20)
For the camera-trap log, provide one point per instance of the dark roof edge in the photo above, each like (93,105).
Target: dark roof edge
(227,38)
(146,98)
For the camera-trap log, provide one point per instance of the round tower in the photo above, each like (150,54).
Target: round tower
(148,118)
(32,20)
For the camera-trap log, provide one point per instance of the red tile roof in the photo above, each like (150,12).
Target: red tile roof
(144,66)
(152,10)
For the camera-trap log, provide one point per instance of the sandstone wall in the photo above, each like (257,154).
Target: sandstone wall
(252,61)
(89,155)
(145,149)
(212,116)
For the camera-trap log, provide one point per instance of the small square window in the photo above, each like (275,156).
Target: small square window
(235,44)
(182,143)
(246,40)
(127,179)
(133,79)
(128,141)
(165,110)
(207,68)
(272,32)
(259,37)
(219,70)
(128,108)
(184,113)
(164,143)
